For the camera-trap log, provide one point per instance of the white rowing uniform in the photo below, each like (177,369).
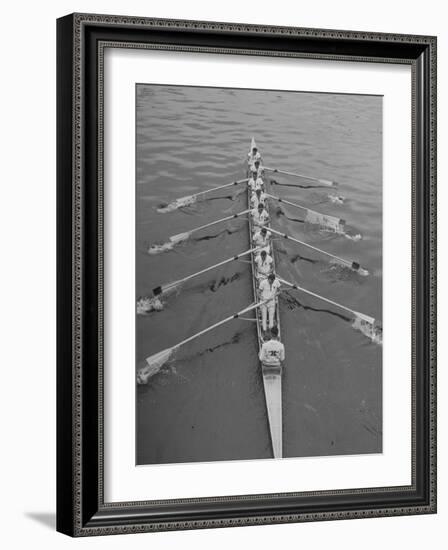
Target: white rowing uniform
(264,267)
(256,183)
(262,241)
(251,157)
(272,352)
(268,292)
(254,201)
(259,218)
(259,170)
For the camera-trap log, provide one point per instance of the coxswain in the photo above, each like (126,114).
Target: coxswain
(264,263)
(253,156)
(268,290)
(257,197)
(255,182)
(272,352)
(260,215)
(262,239)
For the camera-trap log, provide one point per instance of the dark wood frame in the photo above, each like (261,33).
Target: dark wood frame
(81,39)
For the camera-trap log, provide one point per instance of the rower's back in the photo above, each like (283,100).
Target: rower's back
(272,352)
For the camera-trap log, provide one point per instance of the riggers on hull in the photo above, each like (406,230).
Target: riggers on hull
(272,375)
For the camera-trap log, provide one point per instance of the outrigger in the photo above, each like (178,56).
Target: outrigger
(272,374)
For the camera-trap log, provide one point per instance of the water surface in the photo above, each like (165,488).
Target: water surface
(208,404)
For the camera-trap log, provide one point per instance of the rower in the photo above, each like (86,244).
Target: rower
(264,263)
(268,291)
(260,215)
(262,239)
(257,167)
(257,197)
(272,352)
(253,156)
(255,182)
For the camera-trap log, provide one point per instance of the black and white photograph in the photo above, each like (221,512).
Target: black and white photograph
(258,274)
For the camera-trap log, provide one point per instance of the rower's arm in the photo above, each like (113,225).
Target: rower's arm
(282,354)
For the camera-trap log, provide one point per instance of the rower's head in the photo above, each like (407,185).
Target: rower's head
(274,332)
(271,277)
(260,207)
(257,163)
(254,174)
(254,150)
(264,231)
(263,254)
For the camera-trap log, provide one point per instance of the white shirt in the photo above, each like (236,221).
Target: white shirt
(254,199)
(260,218)
(259,170)
(259,240)
(272,352)
(255,184)
(268,291)
(264,267)
(252,158)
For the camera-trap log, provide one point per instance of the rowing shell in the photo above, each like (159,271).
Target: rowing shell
(272,375)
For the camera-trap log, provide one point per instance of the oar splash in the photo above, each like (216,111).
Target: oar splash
(325,221)
(155,362)
(364,323)
(182,202)
(182,237)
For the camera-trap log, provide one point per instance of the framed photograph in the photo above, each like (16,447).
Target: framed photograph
(246,274)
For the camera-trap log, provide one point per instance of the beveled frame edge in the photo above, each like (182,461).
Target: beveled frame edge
(71,516)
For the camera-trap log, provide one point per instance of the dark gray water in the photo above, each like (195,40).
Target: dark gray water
(208,404)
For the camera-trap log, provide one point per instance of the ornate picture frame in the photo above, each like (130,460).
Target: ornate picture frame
(81,42)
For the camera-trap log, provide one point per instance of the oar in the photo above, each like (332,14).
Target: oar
(365,323)
(191,199)
(155,362)
(327,183)
(351,264)
(170,286)
(330,222)
(187,234)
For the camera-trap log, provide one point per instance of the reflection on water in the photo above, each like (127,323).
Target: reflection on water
(208,403)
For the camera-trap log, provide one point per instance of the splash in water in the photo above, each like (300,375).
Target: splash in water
(160,248)
(175,205)
(148,304)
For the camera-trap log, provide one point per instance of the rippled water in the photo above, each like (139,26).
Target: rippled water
(208,404)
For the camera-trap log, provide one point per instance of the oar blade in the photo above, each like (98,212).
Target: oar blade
(178,203)
(368,326)
(328,183)
(181,237)
(325,221)
(153,365)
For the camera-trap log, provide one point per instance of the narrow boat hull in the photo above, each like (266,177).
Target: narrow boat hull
(272,375)
(272,381)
